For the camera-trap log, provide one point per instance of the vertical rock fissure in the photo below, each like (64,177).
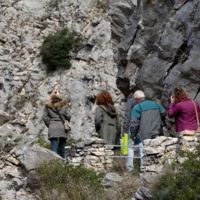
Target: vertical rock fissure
(180,57)
(197,93)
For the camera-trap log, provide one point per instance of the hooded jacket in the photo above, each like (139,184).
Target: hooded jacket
(107,123)
(54,116)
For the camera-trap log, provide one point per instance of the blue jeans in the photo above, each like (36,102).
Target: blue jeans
(58,145)
(130,158)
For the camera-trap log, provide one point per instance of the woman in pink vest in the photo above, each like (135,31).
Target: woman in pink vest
(183,110)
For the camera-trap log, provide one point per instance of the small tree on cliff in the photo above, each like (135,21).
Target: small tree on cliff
(57,49)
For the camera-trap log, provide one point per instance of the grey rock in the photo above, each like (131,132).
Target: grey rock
(32,156)
(162,47)
(113,177)
(143,193)
(36,8)
(110,179)
(4,117)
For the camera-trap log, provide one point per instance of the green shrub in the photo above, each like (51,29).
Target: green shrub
(181,182)
(61,181)
(57,48)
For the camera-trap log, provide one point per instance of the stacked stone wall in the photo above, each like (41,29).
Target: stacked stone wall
(158,153)
(92,153)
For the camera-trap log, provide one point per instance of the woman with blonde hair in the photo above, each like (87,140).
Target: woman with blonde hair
(55,113)
(185,111)
(106,119)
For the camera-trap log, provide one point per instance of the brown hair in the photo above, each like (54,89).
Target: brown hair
(56,101)
(104,98)
(180,95)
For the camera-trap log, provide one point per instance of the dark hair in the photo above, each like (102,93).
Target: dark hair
(133,89)
(104,98)
(180,95)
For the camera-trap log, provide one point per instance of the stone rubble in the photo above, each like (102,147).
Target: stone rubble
(93,153)
(12,180)
(163,150)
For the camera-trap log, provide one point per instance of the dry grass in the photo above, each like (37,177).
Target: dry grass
(56,181)
(125,189)
(59,181)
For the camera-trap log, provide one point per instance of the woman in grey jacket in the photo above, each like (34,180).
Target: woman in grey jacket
(106,119)
(55,113)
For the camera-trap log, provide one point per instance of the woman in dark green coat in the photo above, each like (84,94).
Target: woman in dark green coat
(106,119)
(55,113)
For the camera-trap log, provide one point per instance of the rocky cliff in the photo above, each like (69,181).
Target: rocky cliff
(152,43)
(24,81)
(158,46)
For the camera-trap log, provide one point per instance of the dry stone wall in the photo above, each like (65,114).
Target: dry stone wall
(162,151)
(92,153)
(158,153)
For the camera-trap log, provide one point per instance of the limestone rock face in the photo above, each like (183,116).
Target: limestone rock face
(31,156)
(24,83)
(160,40)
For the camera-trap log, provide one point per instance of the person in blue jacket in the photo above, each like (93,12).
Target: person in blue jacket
(146,117)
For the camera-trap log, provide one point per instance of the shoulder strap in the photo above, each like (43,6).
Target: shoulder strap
(57,112)
(196,113)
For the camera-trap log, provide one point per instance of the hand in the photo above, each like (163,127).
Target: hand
(172,99)
(124,134)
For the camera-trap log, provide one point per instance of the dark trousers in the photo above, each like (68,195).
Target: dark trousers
(58,146)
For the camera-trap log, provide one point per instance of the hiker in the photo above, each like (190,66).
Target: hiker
(106,119)
(55,113)
(130,103)
(185,111)
(146,117)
